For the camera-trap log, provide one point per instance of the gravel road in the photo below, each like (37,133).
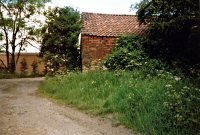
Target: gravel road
(24,112)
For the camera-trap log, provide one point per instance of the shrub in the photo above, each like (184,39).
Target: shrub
(128,54)
(57,63)
(34,66)
(24,66)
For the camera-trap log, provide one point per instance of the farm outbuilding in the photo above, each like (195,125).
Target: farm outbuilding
(99,35)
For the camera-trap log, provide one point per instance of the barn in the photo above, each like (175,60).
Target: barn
(99,34)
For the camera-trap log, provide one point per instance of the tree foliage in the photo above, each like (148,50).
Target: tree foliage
(17,23)
(60,38)
(173,30)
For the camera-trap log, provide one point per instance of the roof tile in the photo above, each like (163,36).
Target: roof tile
(110,25)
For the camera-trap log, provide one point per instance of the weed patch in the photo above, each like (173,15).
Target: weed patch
(160,104)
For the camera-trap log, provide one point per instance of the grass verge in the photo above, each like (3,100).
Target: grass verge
(155,104)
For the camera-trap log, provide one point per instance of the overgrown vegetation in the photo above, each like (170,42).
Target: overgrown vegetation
(141,92)
(160,104)
(129,54)
(173,107)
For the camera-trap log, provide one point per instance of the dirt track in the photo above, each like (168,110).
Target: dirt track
(24,112)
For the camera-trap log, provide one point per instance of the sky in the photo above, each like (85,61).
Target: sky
(98,6)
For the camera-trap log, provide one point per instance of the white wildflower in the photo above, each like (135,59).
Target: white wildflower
(177,78)
(186,87)
(168,85)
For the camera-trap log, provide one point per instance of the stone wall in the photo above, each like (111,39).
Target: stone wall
(29,57)
(94,49)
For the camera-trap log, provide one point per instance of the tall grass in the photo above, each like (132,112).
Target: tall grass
(158,104)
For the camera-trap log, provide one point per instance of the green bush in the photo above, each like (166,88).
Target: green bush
(128,54)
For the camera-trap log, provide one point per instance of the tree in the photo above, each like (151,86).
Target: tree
(173,30)
(60,37)
(17,19)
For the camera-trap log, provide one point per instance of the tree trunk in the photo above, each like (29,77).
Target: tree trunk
(13,63)
(7,57)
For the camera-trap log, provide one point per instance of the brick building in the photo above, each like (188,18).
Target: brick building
(99,35)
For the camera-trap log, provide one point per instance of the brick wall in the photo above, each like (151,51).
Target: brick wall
(94,49)
(29,57)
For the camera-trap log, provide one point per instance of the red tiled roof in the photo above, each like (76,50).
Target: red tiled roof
(110,25)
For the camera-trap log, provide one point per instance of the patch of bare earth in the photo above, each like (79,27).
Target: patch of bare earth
(23,112)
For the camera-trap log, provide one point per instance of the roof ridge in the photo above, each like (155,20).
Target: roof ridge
(108,14)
